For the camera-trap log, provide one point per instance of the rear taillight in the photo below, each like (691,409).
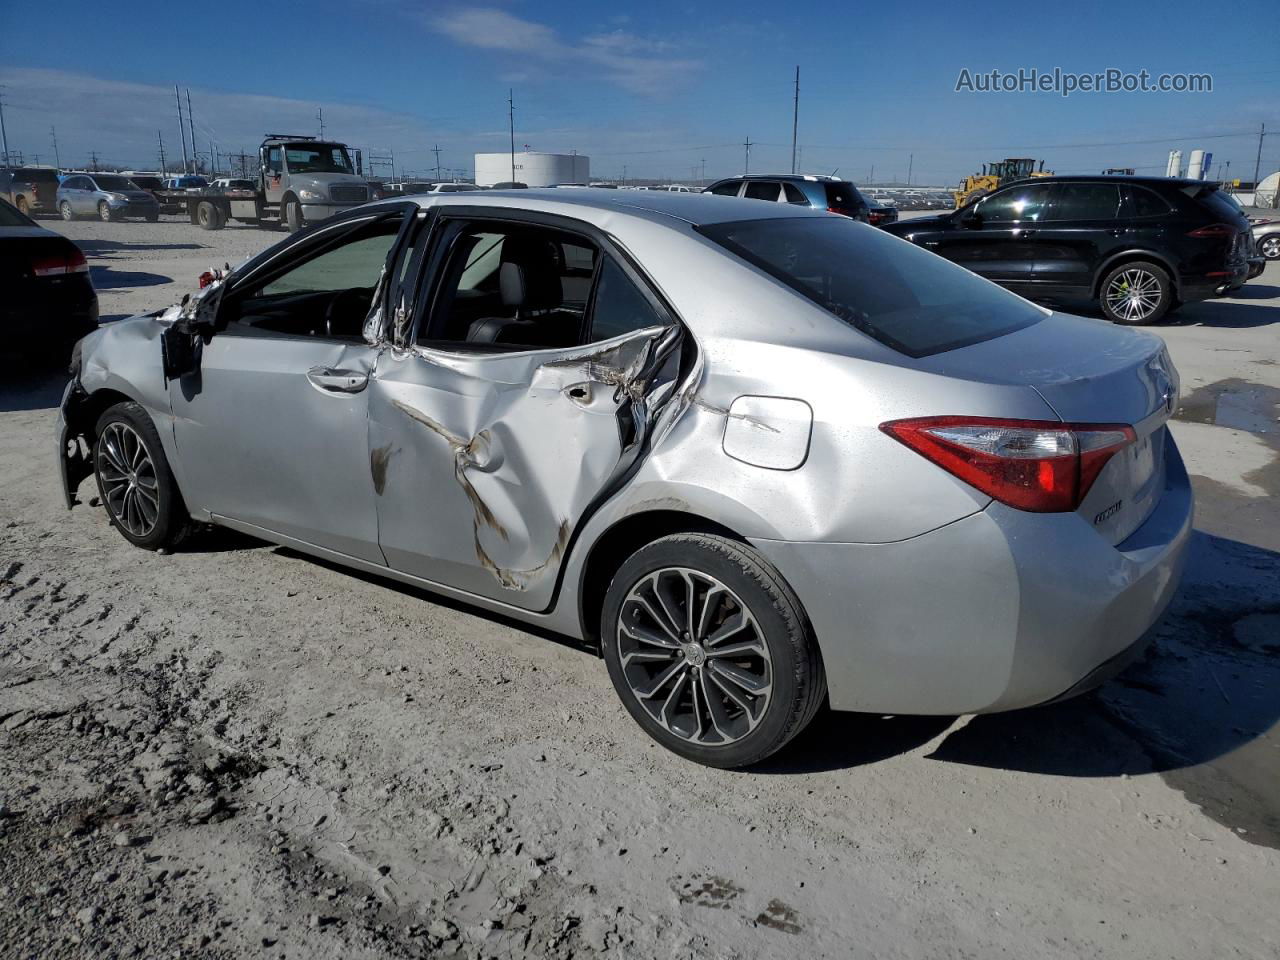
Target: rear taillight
(71,262)
(1037,465)
(1216,230)
(844,213)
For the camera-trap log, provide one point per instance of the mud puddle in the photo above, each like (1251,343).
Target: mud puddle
(1234,403)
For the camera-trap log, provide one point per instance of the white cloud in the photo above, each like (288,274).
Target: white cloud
(638,64)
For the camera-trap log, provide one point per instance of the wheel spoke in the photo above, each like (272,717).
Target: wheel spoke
(649,636)
(673,700)
(719,716)
(747,681)
(662,680)
(744,648)
(669,606)
(711,601)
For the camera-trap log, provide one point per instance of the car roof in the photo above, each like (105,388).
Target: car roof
(1114,177)
(792,177)
(596,206)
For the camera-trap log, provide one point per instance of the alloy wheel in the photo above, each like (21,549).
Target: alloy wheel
(1270,247)
(1133,294)
(129,483)
(694,657)
(64,208)
(104,210)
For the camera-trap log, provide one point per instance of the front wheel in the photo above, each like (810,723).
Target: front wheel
(709,650)
(64,209)
(1269,246)
(1135,293)
(134,480)
(104,212)
(293,220)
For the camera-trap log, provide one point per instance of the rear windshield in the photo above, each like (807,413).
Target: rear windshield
(905,297)
(1221,205)
(39,175)
(842,196)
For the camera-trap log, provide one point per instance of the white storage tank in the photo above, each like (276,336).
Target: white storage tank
(532,168)
(1195,166)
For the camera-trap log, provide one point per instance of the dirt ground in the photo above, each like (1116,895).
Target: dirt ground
(238,751)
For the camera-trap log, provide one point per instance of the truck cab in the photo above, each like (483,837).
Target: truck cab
(309,179)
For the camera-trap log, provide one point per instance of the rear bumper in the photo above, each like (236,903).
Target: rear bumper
(46,316)
(1000,610)
(1200,287)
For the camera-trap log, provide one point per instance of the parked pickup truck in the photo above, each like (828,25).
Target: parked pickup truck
(300,180)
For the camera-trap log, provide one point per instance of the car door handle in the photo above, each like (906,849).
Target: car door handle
(338,381)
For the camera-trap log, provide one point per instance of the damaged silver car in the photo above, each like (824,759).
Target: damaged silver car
(763,457)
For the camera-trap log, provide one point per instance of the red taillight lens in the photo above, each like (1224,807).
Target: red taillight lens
(844,213)
(56,266)
(1219,231)
(1038,465)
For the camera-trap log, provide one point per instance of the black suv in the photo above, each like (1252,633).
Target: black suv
(820,193)
(1138,246)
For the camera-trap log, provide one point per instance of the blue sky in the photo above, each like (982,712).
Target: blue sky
(659,87)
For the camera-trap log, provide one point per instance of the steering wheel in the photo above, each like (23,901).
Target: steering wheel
(344,297)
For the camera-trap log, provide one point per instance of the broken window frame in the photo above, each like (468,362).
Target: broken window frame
(453,222)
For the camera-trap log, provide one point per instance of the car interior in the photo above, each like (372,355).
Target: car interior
(508,287)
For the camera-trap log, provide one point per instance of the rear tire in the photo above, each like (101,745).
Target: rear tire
(134,481)
(209,216)
(673,669)
(152,217)
(24,208)
(1135,293)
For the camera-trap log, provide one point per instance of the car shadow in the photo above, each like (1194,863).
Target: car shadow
(1200,709)
(105,278)
(102,247)
(34,379)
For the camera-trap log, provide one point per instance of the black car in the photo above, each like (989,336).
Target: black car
(48,300)
(1138,246)
(820,193)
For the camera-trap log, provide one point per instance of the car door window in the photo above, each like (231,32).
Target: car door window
(762,190)
(507,286)
(794,195)
(327,292)
(1015,204)
(620,306)
(726,189)
(1086,201)
(1144,203)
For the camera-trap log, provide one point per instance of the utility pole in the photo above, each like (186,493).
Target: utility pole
(702,180)
(213,149)
(320,117)
(181,129)
(192,124)
(160,140)
(911,159)
(54,136)
(4,137)
(511,119)
(93,160)
(1257,164)
(795,121)
(746,163)
(436,151)
(872,179)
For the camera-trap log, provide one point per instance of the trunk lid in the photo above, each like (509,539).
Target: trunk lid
(1089,371)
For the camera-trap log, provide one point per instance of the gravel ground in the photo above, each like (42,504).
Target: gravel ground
(238,751)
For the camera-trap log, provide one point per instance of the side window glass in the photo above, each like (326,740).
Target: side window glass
(511,288)
(729,189)
(1144,203)
(794,194)
(1086,201)
(354,265)
(1016,204)
(273,159)
(761,190)
(620,307)
(328,294)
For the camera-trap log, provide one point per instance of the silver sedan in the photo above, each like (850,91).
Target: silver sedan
(762,457)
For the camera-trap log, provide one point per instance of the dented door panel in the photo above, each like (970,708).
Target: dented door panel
(484,464)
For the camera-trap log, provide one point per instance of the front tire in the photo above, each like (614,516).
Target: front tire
(64,208)
(104,212)
(1135,293)
(293,220)
(710,651)
(135,483)
(1269,246)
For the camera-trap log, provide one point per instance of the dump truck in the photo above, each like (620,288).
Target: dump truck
(300,180)
(996,174)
